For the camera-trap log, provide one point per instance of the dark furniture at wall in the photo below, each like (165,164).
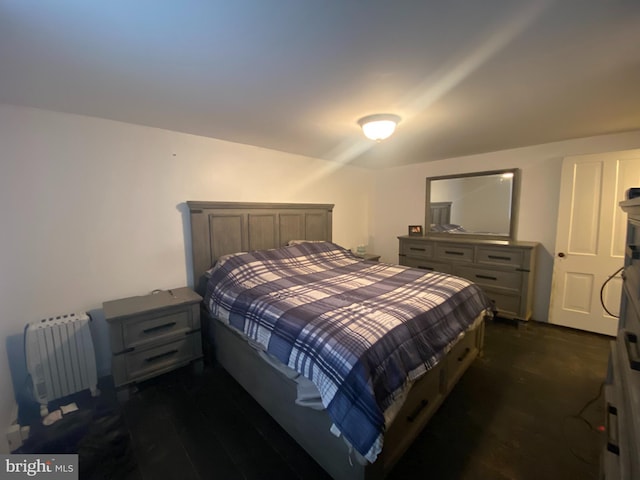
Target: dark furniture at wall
(621,455)
(504,269)
(153,334)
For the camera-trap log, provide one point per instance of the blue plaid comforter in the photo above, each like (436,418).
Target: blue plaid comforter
(360,331)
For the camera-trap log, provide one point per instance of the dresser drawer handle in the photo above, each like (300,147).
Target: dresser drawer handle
(498,257)
(413,415)
(422,267)
(611,427)
(159,327)
(452,252)
(416,249)
(631,343)
(161,356)
(465,354)
(486,277)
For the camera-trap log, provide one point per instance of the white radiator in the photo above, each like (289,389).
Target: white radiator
(60,357)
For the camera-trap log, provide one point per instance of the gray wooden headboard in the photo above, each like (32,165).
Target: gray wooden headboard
(440,213)
(219,228)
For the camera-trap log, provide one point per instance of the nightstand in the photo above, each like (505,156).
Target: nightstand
(153,334)
(371,257)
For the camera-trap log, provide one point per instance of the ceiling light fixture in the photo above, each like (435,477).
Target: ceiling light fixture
(380,126)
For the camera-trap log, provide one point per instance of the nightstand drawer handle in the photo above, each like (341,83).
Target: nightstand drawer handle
(417,249)
(498,257)
(161,356)
(486,277)
(453,252)
(159,327)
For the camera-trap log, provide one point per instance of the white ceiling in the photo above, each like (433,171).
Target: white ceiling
(466,76)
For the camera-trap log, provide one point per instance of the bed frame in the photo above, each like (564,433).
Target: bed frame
(218,228)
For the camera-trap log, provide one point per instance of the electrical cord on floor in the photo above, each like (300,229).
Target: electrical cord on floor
(602,292)
(580,416)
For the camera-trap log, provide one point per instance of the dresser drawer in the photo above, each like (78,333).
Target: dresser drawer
(429,265)
(417,249)
(610,458)
(154,328)
(633,233)
(631,276)
(146,363)
(500,256)
(630,314)
(491,278)
(506,304)
(457,253)
(625,400)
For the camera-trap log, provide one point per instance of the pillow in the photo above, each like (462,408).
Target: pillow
(447,227)
(220,261)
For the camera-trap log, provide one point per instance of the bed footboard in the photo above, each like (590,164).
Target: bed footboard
(277,395)
(310,428)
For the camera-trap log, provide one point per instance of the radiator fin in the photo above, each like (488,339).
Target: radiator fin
(60,356)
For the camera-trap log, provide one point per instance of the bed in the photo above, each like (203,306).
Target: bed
(219,231)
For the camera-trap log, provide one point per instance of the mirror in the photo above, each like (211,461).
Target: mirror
(479,205)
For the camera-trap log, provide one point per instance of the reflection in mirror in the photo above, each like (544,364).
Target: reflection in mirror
(482,204)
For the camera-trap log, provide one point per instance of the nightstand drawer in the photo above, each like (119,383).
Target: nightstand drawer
(154,328)
(146,363)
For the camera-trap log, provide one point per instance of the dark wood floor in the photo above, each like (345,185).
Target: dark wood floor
(514,415)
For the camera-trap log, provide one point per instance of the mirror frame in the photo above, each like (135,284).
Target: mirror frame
(513,221)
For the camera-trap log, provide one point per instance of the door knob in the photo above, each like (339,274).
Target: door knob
(561,254)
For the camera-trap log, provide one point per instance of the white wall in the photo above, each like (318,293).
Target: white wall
(399,197)
(92,210)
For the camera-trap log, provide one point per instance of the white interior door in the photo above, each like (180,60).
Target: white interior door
(590,239)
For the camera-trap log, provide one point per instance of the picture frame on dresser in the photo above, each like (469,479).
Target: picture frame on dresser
(415,230)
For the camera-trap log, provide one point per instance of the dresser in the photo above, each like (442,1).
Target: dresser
(153,334)
(620,457)
(504,269)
